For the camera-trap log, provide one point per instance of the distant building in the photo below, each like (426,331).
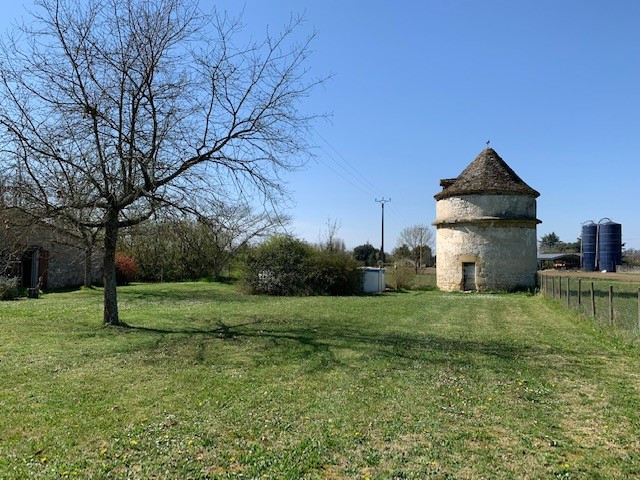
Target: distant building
(565,260)
(486,228)
(405,262)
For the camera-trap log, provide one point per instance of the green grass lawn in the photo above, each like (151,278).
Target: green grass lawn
(207,383)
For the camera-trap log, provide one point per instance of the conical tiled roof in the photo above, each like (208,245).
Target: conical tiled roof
(488,174)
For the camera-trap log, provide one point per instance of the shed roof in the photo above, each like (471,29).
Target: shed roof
(558,256)
(487,174)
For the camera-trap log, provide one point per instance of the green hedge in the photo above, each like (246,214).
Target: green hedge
(287,266)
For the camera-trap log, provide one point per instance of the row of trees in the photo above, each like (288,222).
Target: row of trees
(551,243)
(178,249)
(414,243)
(631,256)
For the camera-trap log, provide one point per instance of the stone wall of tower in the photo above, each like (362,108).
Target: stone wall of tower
(478,206)
(496,232)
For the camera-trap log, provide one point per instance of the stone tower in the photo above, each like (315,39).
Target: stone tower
(486,228)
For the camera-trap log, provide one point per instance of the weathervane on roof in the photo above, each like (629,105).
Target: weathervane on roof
(488,142)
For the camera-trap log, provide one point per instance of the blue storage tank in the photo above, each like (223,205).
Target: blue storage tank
(609,245)
(589,239)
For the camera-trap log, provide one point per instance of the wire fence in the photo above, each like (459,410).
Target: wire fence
(608,302)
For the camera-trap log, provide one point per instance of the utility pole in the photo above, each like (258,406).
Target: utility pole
(382,201)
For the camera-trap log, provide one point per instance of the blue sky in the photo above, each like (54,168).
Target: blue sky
(419,87)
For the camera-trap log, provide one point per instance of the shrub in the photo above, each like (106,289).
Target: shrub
(334,273)
(278,267)
(405,277)
(287,266)
(126,269)
(8,288)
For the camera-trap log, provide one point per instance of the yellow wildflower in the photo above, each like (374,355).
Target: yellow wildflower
(43,459)
(133,441)
(103,451)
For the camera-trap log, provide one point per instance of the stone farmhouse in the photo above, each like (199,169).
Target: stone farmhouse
(42,256)
(486,228)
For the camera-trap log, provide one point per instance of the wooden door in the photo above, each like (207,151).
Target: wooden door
(43,268)
(469,276)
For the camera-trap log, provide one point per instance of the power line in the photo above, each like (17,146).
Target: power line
(362,183)
(343,177)
(351,175)
(399,214)
(371,185)
(361,178)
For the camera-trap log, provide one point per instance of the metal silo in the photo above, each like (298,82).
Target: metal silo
(609,245)
(588,248)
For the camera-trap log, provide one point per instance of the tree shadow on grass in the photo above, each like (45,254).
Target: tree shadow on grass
(172,295)
(403,348)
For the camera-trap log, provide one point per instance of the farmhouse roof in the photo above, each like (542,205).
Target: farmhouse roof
(488,174)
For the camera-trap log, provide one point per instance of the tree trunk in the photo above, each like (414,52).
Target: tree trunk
(109,275)
(88,270)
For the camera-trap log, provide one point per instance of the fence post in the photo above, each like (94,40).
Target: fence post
(568,293)
(579,292)
(553,287)
(611,304)
(559,288)
(593,302)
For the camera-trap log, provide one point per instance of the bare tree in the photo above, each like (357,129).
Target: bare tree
(328,239)
(113,109)
(234,227)
(417,238)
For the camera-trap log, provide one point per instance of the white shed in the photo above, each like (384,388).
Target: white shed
(374,279)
